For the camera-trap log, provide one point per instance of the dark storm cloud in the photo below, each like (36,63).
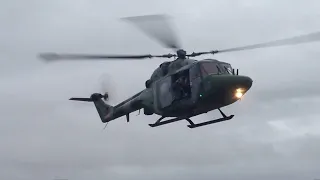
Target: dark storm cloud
(274,134)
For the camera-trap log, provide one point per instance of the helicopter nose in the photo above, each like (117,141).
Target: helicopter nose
(240,85)
(234,85)
(243,82)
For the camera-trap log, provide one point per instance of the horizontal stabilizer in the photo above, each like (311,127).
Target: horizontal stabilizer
(81,99)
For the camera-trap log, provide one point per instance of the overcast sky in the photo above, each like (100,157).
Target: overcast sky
(275,132)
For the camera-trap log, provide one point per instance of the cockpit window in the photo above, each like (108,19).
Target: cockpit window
(209,68)
(226,68)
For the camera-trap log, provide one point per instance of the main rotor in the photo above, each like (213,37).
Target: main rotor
(158,27)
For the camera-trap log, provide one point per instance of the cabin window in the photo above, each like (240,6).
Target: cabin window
(208,68)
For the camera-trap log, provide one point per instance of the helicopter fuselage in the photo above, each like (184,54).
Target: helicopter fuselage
(207,85)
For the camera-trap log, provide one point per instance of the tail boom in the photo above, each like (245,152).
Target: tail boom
(107,112)
(104,110)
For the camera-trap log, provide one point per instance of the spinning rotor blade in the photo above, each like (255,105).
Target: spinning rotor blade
(54,56)
(307,38)
(107,85)
(312,37)
(158,27)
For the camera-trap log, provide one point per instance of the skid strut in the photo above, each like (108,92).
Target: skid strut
(159,122)
(191,123)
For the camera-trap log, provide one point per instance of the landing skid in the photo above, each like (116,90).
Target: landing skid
(191,123)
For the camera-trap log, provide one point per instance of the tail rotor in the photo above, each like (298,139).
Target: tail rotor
(107,88)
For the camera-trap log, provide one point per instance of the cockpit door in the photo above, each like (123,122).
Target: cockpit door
(163,92)
(195,80)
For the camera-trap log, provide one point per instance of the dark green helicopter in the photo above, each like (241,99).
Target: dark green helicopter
(182,88)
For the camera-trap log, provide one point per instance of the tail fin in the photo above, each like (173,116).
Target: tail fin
(105,111)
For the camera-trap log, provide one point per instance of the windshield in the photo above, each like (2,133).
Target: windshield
(209,68)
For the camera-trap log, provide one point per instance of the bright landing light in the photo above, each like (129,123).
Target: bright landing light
(239,93)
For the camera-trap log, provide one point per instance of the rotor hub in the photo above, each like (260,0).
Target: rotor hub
(106,96)
(181,54)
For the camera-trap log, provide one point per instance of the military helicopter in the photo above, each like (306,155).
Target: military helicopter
(182,88)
